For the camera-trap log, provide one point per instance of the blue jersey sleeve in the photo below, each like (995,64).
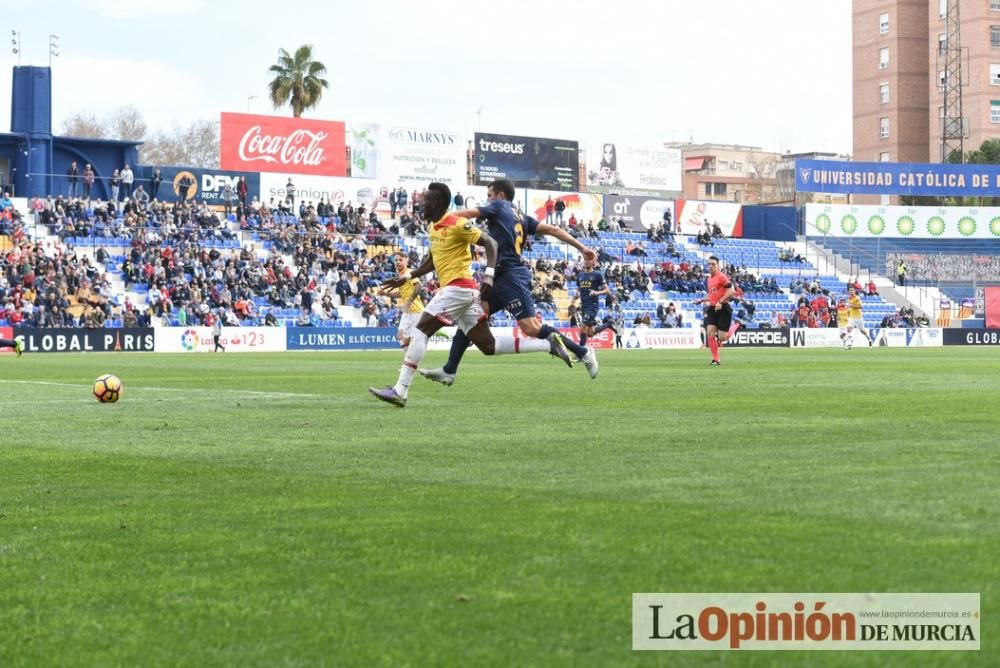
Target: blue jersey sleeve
(530,226)
(491,209)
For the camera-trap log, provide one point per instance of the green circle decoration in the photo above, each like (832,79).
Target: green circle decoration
(995,227)
(823,223)
(905,226)
(967,226)
(849,224)
(876,225)
(935,225)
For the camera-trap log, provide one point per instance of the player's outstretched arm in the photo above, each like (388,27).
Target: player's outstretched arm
(563,235)
(426,267)
(471,214)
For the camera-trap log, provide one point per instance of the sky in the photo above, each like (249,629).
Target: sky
(769,73)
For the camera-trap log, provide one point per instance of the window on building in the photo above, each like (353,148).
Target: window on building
(715,189)
(942,8)
(883,93)
(883,156)
(995,5)
(883,57)
(883,127)
(943,43)
(737,166)
(942,79)
(995,37)
(994,111)
(883,24)
(995,75)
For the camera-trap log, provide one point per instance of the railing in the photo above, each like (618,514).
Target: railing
(921,296)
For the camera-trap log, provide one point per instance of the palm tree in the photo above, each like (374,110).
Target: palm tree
(298,80)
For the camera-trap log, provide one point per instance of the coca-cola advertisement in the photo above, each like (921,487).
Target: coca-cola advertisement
(253,143)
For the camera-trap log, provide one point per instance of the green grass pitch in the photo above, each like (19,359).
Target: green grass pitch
(264,510)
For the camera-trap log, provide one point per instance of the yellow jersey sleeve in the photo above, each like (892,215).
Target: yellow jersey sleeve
(468,232)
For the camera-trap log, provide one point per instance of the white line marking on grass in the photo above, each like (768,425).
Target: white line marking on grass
(213,391)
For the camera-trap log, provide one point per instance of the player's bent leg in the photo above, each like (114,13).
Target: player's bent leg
(482,337)
(446,374)
(547,331)
(13,343)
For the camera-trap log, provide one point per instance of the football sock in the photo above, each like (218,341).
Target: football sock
(6,343)
(733,327)
(459,343)
(414,353)
(583,339)
(506,345)
(571,345)
(713,345)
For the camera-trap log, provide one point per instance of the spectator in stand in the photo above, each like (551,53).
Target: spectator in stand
(668,227)
(88,181)
(901,273)
(242,190)
(550,208)
(228,195)
(155,181)
(872,288)
(717,231)
(115,183)
(141,198)
(127,178)
(184,184)
(459,201)
(572,223)
(400,200)
(560,208)
(73,179)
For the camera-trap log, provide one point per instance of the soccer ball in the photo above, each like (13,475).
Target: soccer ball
(108,389)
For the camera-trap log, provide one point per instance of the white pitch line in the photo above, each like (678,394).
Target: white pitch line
(251,393)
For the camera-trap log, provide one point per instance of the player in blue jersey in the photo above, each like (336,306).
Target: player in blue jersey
(511,289)
(591,285)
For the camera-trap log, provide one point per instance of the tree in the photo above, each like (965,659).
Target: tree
(126,123)
(84,124)
(196,145)
(763,187)
(298,80)
(988,153)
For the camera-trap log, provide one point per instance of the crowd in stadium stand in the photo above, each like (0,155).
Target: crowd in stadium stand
(944,267)
(183,263)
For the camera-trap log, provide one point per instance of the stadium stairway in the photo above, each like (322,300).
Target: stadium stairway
(829,250)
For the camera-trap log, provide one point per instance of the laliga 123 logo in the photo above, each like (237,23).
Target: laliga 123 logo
(189,340)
